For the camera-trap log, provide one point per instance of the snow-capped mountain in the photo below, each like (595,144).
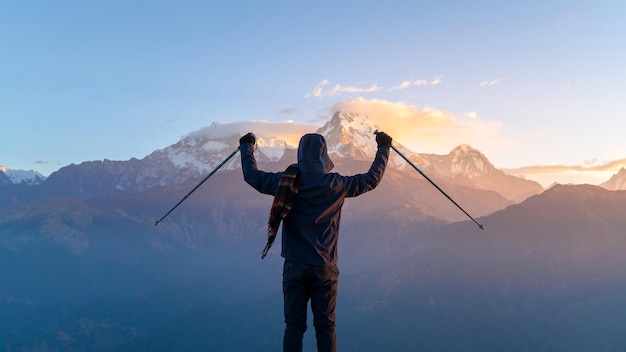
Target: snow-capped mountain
(192,157)
(462,160)
(202,150)
(349,136)
(468,166)
(350,139)
(20,177)
(616,182)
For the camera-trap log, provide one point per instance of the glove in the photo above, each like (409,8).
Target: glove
(383,140)
(248,138)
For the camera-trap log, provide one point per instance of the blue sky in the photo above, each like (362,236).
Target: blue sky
(534,83)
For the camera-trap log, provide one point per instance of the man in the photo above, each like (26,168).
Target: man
(309,198)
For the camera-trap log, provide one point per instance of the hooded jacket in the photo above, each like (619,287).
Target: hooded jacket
(311,229)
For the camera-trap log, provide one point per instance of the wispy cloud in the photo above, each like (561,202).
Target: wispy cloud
(317,91)
(337,89)
(288,111)
(495,82)
(320,91)
(418,82)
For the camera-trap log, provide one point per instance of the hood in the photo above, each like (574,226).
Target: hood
(313,154)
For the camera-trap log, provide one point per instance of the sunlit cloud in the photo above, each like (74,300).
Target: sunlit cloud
(591,166)
(472,114)
(425,129)
(418,82)
(593,172)
(495,82)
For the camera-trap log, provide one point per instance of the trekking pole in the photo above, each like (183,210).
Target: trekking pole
(198,185)
(434,184)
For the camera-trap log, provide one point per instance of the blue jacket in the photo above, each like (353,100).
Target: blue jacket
(311,229)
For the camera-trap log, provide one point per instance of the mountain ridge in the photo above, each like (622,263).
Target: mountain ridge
(349,137)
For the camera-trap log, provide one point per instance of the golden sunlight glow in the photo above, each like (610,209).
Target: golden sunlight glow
(426,129)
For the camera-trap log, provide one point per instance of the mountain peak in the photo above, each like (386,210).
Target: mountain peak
(350,135)
(470,161)
(465,149)
(617,181)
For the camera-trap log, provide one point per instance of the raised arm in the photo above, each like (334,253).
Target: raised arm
(359,184)
(264,182)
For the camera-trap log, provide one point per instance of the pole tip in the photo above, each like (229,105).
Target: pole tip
(482,227)
(157,223)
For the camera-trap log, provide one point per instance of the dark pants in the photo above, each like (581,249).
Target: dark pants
(302,282)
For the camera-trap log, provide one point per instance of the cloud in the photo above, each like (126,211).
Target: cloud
(289,131)
(338,89)
(320,89)
(490,83)
(426,129)
(419,82)
(472,114)
(592,173)
(288,111)
(611,166)
(317,91)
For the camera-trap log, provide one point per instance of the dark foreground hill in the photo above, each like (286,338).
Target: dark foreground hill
(545,276)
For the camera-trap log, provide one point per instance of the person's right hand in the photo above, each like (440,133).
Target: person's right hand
(383,140)
(248,138)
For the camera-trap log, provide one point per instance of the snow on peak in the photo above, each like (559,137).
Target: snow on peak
(202,150)
(272,147)
(465,149)
(469,161)
(350,135)
(25,177)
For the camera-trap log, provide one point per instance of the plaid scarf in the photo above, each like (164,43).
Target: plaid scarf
(283,200)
